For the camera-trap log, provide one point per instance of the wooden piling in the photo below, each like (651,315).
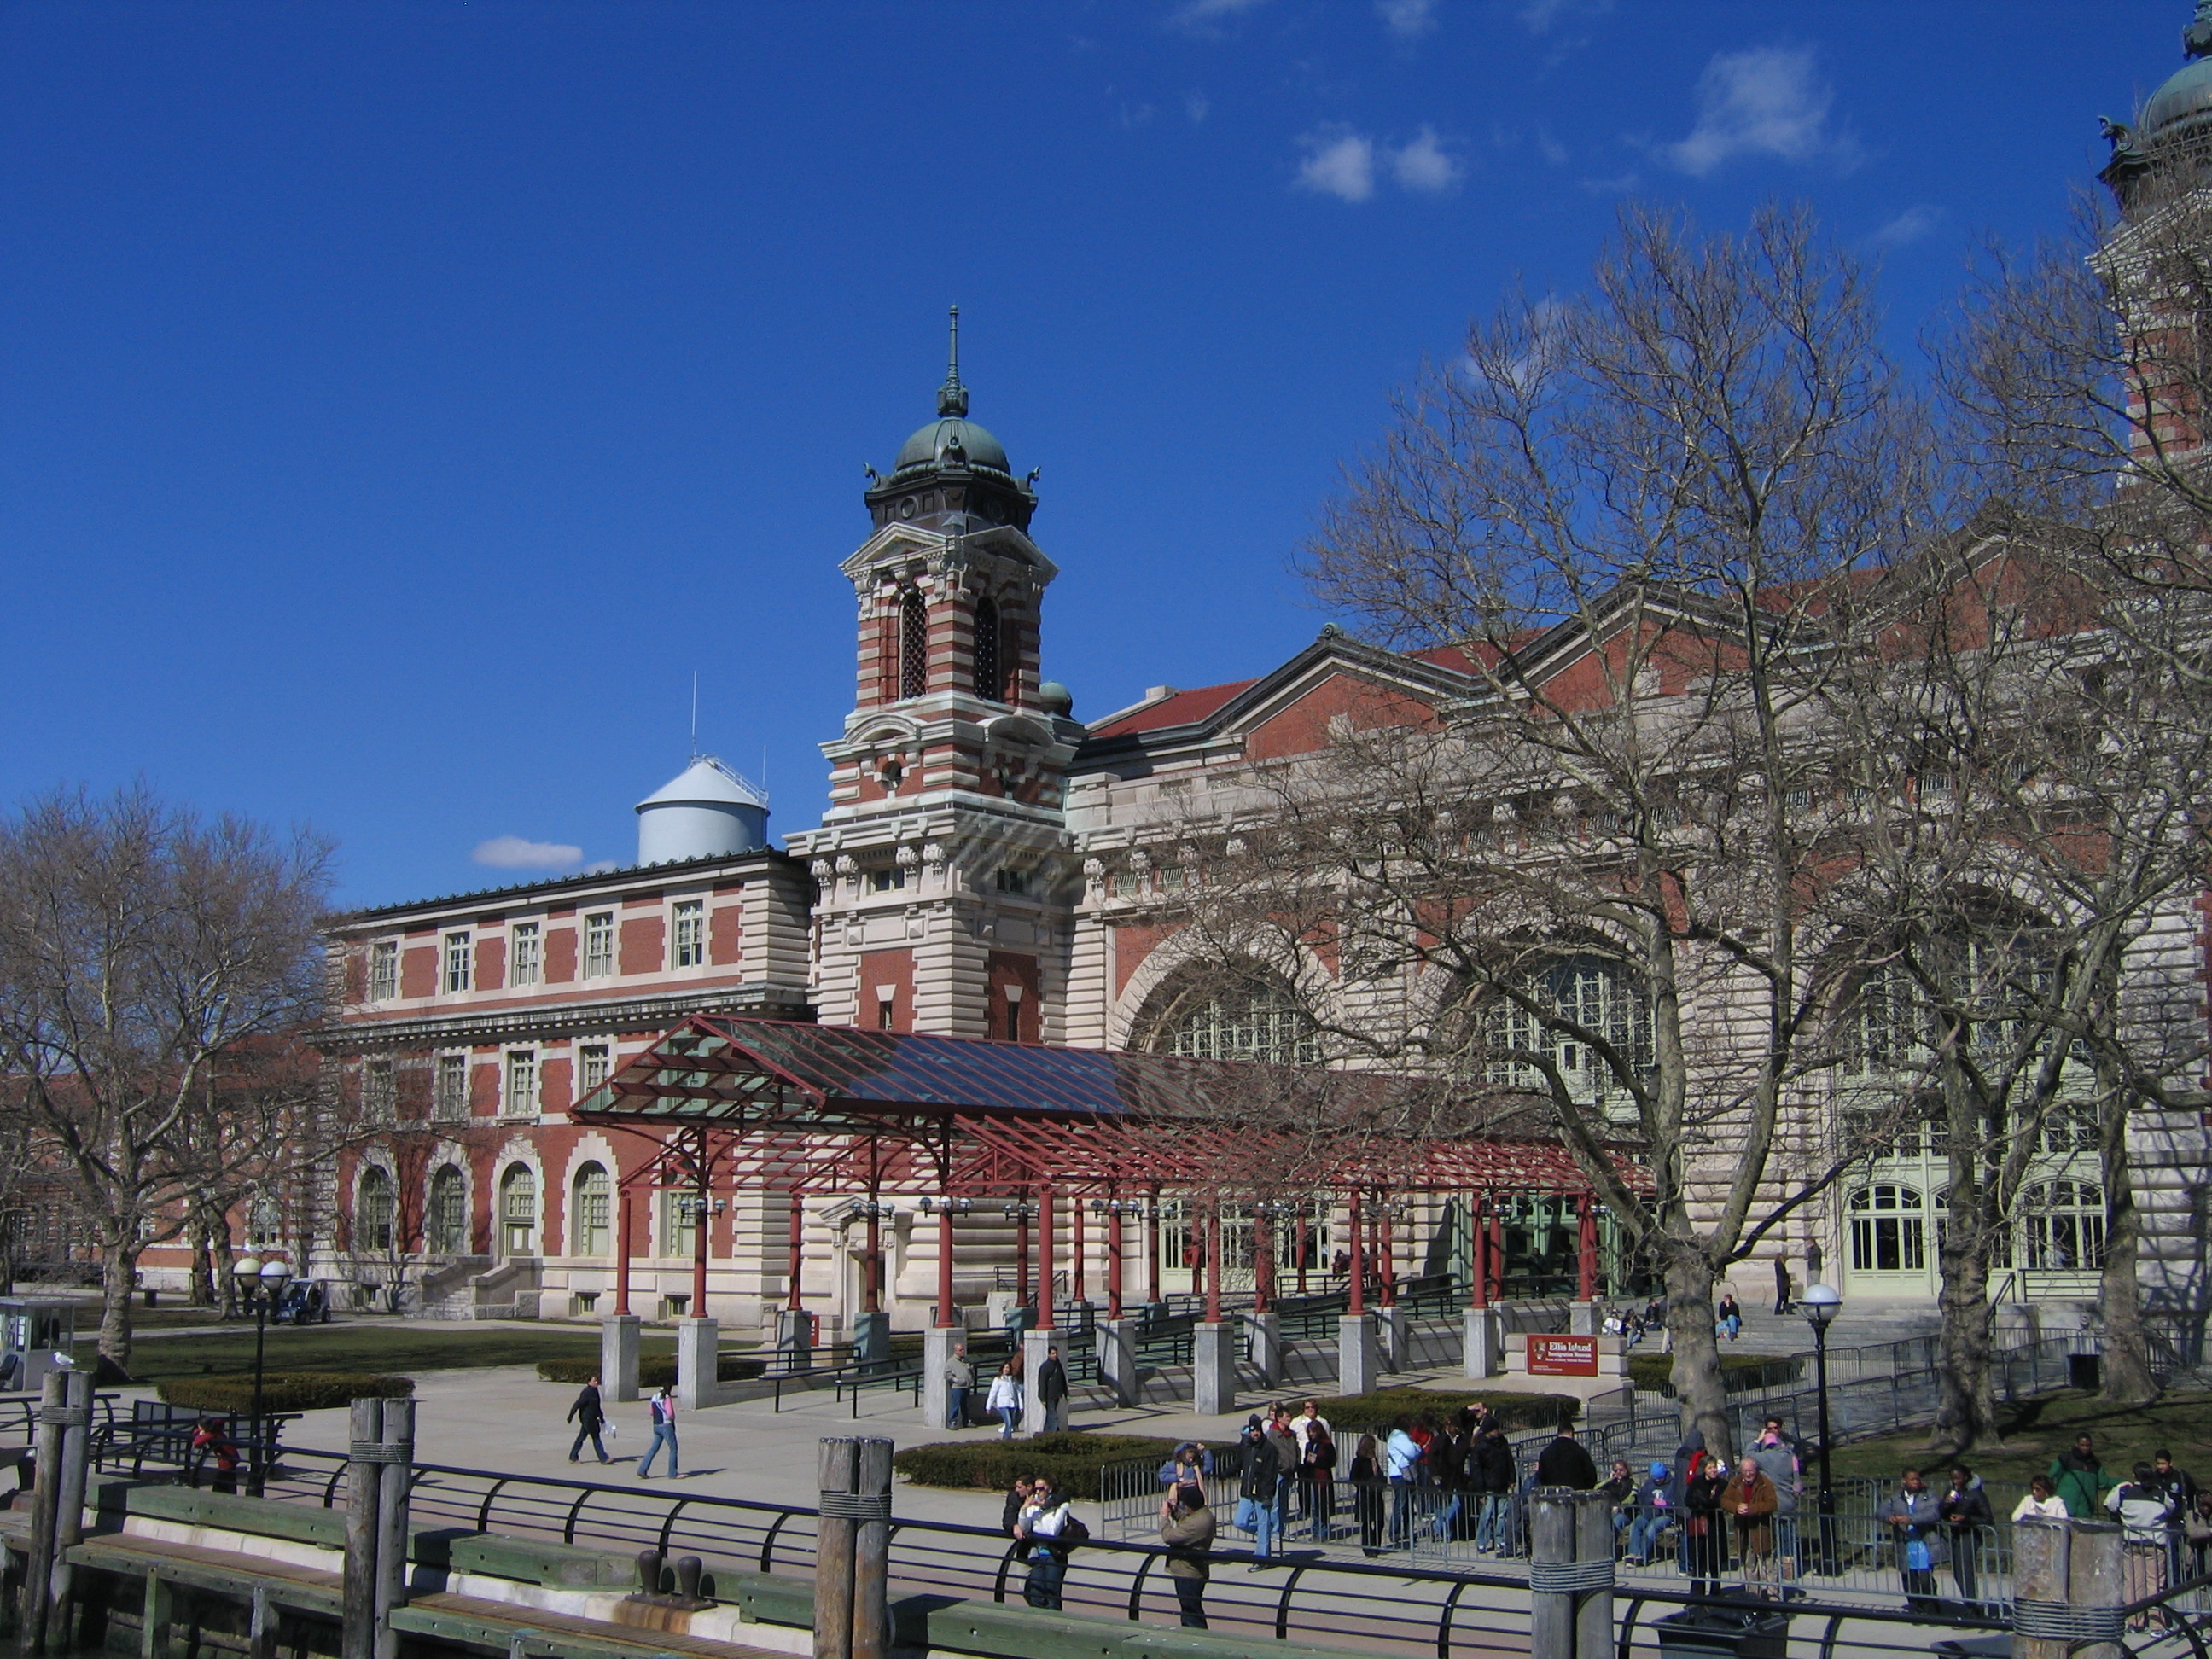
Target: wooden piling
(840,1468)
(1551,1544)
(1594,1602)
(2095,1584)
(364,1483)
(2039,1569)
(394,1475)
(69,1503)
(871,1551)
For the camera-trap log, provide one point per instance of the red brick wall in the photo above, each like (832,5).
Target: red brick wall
(644,940)
(491,963)
(896,970)
(725,934)
(554,1085)
(560,955)
(1007,968)
(418,970)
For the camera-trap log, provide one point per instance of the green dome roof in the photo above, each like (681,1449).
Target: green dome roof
(2183,101)
(950,441)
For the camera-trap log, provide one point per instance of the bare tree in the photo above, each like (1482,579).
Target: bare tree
(152,966)
(1650,521)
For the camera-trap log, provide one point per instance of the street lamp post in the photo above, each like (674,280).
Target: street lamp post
(1821,1303)
(262,1282)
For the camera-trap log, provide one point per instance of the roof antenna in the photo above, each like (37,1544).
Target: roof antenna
(952,396)
(695,713)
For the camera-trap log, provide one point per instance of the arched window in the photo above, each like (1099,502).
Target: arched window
(988,681)
(913,644)
(590,1212)
(448,1222)
(1253,1023)
(1598,995)
(373,1210)
(2062,1226)
(517,1210)
(1889,1230)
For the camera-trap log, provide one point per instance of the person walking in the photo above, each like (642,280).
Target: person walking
(1781,1285)
(589,1413)
(1563,1462)
(664,1434)
(1367,1488)
(1049,1529)
(2079,1478)
(959,1384)
(1051,1391)
(1006,1399)
(1187,1527)
(1491,1483)
(1259,1494)
(1965,1510)
(1916,1519)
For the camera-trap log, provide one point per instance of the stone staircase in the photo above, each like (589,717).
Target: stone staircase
(477,1287)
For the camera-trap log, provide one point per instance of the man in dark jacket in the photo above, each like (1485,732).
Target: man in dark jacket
(1261,1491)
(1492,1478)
(1965,1508)
(1565,1463)
(1186,1528)
(1051,1391)
(590,1417)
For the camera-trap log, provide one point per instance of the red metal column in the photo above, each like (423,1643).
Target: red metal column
(1022,1252)
(944,1266)
(798,1244)
(1153,1244)
(1358,1276)
(1587,1291)
(1498,1249)
(625,1202)
(1213,1260)
(1075,1285)
(1387,1251)
(1263,1259)
(1478,1294)
(1305,1248)
(1113,1258)
(1044,1256)
(699,1236)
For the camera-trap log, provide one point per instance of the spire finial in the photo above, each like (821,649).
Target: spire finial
(952,396)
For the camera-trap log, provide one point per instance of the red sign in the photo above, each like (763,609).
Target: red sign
(1563,1355)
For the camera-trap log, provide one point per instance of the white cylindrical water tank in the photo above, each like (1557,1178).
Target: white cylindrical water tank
(705,811)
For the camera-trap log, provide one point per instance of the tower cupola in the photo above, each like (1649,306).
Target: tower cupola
(952,467)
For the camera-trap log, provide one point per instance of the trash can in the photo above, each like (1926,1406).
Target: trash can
(1723,1633)
(2085,1371)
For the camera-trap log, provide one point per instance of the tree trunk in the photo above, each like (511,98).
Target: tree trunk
(1965,1412)
(120,1258)
(1695,1375)
(226,1281)
(2127,1374)
(202,1275)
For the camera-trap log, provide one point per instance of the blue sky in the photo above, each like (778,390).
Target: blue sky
(399,402)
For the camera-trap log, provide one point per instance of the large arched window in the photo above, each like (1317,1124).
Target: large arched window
(590,1212)
(517,1210)
(913,644)
(2062,1226)
(1259,1022)
(1889,1230)
(988,680)
(374,1210)
(448,1222)
(1598,995)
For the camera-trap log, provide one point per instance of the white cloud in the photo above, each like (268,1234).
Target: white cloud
(1341,164)
(1423,166)
(1408,20)
(1552,150)
(1201,15)
(1194,104)
(513,853)
(1910,226)
(1764,101)
(1539,15)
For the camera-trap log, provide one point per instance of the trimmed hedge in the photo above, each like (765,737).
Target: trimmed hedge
(1071,1460)
(1364,1413)
(653,1369)
(282,1391)
(1656,1371)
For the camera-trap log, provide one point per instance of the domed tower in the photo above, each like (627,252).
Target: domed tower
(945,886)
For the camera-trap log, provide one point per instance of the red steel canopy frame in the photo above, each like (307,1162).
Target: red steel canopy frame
(820,1108)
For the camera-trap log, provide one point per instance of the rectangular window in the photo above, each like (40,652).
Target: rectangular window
(457,962)
(1173,879)
(523,954)
(678,1223)
(521,1098)
(688,941)
(379,1091)
(887,881)
(452,1099)
(1127,884)
(592,1065)
(1013,881)
(384,970)
(599,945)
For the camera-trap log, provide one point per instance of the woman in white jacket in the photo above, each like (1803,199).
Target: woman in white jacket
(1006,1399)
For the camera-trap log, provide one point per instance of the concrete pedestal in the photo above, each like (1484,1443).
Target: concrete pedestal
(1392,1329)
(794,1338)
(698,1355)
(999,1307)
(1263,1343)
(1214,1368)
(618,1355)
(1582,1319)
(1117,1358)
(872,1339)
(1036,1348)
(936,1352)
(1355,1354)
(1486,1349)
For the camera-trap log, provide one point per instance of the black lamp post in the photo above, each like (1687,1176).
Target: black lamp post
(1821,1303)
(262,1283)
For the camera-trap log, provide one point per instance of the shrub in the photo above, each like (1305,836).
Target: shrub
(1655,1372)
(1071,1461)
(282,1391)
(654,1370)
(1365,1413)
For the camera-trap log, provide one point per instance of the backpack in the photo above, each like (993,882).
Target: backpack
(1072,1532)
